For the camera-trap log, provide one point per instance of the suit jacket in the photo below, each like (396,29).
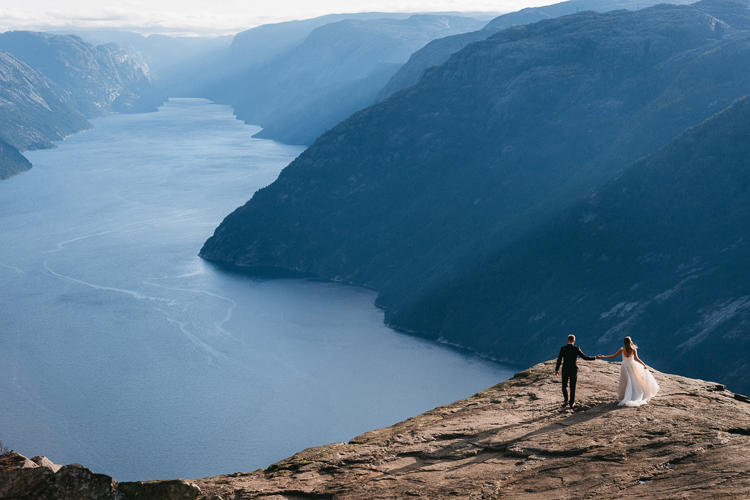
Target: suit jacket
(569,354)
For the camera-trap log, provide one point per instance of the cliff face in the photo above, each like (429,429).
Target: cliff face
(433,184)
(511,441)
(33,114)
(96,80)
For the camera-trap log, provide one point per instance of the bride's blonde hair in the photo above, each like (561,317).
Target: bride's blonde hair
(630,345)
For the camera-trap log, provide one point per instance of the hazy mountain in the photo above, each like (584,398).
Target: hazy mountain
(223,75)
(412,192)
(96,80)
(164,55)
(336,70)
(438,51)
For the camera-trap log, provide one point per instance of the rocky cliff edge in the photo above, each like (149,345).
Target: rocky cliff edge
(514,440)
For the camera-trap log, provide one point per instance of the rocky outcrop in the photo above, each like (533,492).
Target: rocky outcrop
(40,479)
(515,441)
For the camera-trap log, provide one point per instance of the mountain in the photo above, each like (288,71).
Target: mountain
(96,80)
(510,441)
(438,51)
(32,114)
(298,90)
(164,55)
(662,253)
(177,65)
(413,192)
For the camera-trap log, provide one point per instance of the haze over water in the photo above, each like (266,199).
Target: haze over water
(125,352)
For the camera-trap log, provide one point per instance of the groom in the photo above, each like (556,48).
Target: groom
(569,354)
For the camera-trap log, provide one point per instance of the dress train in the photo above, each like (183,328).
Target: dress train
(637,384)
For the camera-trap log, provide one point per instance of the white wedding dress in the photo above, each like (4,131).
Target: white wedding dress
(637,385)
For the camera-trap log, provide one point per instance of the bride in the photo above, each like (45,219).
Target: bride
(637,384)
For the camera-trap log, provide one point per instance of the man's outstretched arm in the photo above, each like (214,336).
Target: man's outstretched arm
(587,358)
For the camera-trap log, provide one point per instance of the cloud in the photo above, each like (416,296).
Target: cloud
(192,17)
(140,21)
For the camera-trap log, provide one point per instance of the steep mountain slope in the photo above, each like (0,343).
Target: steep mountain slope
(438,51)
(335,71)
(662,253)
(96,80)
(413,192)
(32,114)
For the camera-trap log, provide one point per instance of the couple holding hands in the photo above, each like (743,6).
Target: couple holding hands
(637,384)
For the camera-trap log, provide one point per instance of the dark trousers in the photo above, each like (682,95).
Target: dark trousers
(571,375)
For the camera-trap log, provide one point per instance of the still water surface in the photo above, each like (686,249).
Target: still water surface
(124,351)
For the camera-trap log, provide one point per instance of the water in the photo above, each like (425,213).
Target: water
(125,352)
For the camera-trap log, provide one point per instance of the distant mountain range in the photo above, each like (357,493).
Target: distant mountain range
(296,87)
(472,163)
(96,80)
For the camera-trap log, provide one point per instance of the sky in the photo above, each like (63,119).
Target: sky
(213,17)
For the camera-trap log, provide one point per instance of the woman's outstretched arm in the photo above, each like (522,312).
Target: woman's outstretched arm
(612,355)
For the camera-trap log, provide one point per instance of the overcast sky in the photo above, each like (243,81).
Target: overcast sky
(212,17)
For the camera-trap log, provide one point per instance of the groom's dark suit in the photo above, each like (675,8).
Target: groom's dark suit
(569,354)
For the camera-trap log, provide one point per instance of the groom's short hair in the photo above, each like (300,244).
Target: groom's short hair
(571,338)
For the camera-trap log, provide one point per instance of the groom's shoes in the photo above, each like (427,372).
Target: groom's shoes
(565,403)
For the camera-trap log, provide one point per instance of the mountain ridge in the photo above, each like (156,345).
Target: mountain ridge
(438,51)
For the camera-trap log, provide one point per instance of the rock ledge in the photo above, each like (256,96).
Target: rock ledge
(513,440)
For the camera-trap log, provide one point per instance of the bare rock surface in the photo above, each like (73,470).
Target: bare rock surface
(40,479)
(514,440)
